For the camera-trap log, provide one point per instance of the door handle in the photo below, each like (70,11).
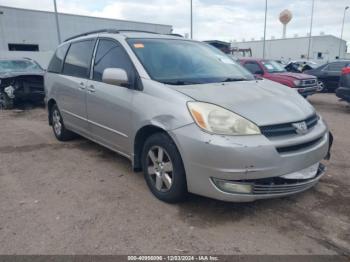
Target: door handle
(91,89)
(82,86)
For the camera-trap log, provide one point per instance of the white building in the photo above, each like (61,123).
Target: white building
(31,33)
(323,48)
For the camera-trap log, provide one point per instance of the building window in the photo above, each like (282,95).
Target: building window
(319,55)
(23,47)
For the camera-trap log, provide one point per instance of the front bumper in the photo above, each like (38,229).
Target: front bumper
(249,158)
(307,91)
(274,187)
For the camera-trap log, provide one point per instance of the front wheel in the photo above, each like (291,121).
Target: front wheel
(163,169)
(60,131)
(321,87)
(5,101)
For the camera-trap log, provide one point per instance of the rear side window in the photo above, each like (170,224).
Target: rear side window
(336,66)
(78,59)
(56,62)
(111,55)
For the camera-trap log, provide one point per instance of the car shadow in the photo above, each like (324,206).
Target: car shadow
(25,106)
(205,212)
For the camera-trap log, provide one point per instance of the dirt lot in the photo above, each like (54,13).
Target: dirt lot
(79,198)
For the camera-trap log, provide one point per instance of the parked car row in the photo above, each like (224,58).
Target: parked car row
(21,80)
(305,84)
(305,76)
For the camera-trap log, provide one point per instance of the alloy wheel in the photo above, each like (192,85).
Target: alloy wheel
(321,86)
(160,168)
(56,121)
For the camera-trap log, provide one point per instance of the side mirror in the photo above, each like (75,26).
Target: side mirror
(115,76)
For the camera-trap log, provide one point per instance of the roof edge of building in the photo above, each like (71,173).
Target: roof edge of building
(290,38)
(88,16)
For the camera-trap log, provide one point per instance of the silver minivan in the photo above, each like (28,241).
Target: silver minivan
(187,115)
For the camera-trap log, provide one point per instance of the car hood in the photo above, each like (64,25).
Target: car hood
(297,76)
(4,75)
(264,102)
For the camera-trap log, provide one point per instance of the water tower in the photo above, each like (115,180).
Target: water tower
(285,17)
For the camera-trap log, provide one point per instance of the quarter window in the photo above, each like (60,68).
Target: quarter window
(78,59)
(56,62)
(111,55)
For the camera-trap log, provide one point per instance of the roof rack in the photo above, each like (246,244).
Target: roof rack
(113,31)
(108,30)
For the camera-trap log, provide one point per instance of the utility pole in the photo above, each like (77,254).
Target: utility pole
(57,23)
(342,30)
(191,19)
(310,34)
(264,43)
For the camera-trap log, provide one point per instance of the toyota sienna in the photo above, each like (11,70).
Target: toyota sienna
(187,115)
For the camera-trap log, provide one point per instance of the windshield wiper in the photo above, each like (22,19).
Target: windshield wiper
(180,82)
(232,79)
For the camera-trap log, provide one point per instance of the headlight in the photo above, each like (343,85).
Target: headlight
(218,120)
(297,82)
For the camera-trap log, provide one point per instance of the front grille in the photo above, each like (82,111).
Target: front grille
(279,185)
(297,147)
(287,128)
(309,82)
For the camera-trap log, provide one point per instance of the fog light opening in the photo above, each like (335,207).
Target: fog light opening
(232,187)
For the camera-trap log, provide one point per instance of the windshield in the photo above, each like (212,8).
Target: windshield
(182,62)
(273,66)
(18,66)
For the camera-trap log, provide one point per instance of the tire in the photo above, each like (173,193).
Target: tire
(5,101)
(322,87)
(59,130)
(164,173)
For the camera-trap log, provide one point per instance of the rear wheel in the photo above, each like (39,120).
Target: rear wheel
(61,133)
(163,169)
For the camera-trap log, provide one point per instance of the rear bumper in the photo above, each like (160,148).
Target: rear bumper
(343,93)
(236,158)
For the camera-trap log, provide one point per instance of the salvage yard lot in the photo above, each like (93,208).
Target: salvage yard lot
(80,198)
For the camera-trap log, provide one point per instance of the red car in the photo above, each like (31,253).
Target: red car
(274,71)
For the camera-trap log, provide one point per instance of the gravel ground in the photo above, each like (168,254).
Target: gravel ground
(79,198)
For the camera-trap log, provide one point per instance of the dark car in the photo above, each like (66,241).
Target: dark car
(305,84)
(20,80)
(343,91)
(329,74)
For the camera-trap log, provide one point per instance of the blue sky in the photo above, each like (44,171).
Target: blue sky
(213,19)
